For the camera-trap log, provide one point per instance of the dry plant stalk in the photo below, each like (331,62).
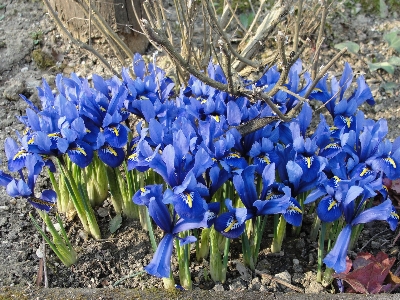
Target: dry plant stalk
(191,58)
(232,59)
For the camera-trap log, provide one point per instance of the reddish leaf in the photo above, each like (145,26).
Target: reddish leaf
(369,274)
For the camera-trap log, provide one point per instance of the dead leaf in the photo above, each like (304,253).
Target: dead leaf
(371,274)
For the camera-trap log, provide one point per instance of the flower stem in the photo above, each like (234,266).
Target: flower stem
(279,233)
(60,244)
(321,243)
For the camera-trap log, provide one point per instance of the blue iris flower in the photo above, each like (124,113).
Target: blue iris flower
(24,187)
(160,265)
(336,258)
(232,223)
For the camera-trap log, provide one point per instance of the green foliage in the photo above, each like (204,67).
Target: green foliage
(115,223)
(377,7)
(240,5)
(389,66)
(246,19)
(393,40)
(37,37)
(351,46)
(390,87)
(381,65)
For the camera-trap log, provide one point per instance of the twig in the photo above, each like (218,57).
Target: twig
(297,26)
(106,29)
(276,15)
(379,233)
(254,125)
(90,22)
(284,89)
(319,40)
(226,66)
(216,25)
(76,42)
(234,15)
(96,22)
(323,71)
(280,281)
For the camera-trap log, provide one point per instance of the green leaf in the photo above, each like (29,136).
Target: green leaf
(394,60)
(389,86)
(383,65)
(383,9)
(351,46)
(115,223)
(246,19)
(393,40)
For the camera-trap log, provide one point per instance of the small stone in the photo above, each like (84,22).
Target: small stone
(39,253)
(285,275)
(314,288)
(244,272)
(375,245)
(264,265)
(68,70)
(218,287)
(13,89)
(300,244)
(3,221)
(297,268)
(4,207)
(103,212)
(83,235)
(237,285)
(13,201)
(24,69)
(296,261)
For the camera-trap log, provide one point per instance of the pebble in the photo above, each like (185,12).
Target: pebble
(244,272)
(296,261)
(103,212)
(13,89)
(218,287)
(4,207)
(285,275)
(24,69)
(375,245)
(39,253)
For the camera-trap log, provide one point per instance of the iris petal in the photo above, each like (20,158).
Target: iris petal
(160,265)
(80,153)
(228,225)
(46,202)
(111,156)
(189,205)
(336,258)
(293,214)
(116,135)
(328,209)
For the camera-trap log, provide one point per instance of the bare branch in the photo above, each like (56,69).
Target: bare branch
(297,26)
(319,40)
(222,33)
(276,15)
(323,72)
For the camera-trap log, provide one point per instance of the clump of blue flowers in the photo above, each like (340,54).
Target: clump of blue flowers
(197,177)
